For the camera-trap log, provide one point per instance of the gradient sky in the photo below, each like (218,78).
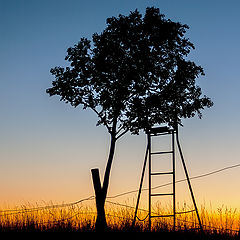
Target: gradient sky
(47,148)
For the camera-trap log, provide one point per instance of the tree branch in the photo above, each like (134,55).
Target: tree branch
(104,121)
(121,134)
(119,130)
(99,115)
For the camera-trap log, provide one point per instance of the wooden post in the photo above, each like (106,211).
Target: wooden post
(101,224)
(96,180)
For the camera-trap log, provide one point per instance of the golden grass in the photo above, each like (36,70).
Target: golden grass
(81,217)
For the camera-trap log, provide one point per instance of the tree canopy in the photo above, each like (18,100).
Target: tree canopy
(134,74)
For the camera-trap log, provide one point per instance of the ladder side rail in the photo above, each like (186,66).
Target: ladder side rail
(149,180)
(174,180)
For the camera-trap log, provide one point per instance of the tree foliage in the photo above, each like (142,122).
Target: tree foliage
(134,73)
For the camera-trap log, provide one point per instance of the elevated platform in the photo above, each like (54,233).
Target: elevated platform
(160,130)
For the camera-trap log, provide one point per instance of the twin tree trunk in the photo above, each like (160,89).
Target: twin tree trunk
(101,189)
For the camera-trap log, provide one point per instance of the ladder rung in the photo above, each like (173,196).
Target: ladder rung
(156,130)
(165,152)
(161,194)
(162,173)
(190,211)
(170,215)
(160,134)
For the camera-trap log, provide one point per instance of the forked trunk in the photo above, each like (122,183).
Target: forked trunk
(101,190)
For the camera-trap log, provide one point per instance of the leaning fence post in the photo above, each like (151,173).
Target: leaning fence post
(101,223)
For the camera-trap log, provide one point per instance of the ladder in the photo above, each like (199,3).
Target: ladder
(173,133)
(154,132)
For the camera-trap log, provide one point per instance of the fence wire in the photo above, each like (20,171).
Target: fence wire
(17,211)
(26,210)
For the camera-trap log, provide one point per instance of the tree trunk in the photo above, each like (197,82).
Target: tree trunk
(101,191)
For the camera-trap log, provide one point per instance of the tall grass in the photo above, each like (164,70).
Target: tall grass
(81,218)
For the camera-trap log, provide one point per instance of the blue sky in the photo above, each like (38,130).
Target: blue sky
(47,148)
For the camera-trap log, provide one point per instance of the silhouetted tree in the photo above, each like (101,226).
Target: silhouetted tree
(133,75)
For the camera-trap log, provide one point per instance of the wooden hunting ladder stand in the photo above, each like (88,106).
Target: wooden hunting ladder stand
(173,134)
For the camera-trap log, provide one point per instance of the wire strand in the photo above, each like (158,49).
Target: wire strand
(17,211)
(178,181)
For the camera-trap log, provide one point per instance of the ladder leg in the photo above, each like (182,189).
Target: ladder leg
(188,180)
(140,187)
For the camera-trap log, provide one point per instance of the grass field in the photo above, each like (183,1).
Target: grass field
(222,223)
